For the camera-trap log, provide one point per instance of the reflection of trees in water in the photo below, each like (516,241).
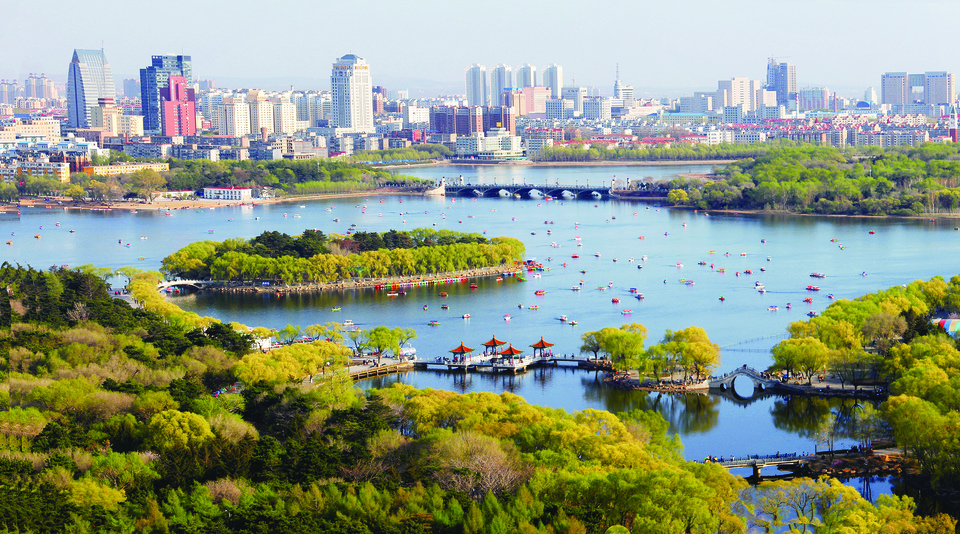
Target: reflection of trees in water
(686,413)
(800,414)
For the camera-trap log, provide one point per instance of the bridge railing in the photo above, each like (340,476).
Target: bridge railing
(758,459)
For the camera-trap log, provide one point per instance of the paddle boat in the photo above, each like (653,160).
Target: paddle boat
(830,296)
(73,231)
(808,300)
(443,294)
(722,298)
(563,318)
(615,300)
(771,308)
(640,296)
(539,292)
(473,286)
(812,314)
(424,307)
(534,307)
(572,323)
(506,317)
(335,308)
(465,316)
(633,290)
(817,275)
(813,288)
(575,288)
(434,323)
(444,306)
(627,311)
(392,293)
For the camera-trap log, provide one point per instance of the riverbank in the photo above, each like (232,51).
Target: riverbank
(171,205)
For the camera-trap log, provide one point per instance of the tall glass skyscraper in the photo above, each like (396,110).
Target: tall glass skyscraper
(153,79)
(352,92)
(89,79)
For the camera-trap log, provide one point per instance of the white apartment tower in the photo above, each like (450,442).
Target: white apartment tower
(526,76)
(553,79)
(501,77)
(477,86)
(352,90)
(234,117)
(261,112)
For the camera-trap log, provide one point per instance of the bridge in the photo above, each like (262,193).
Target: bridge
(761,384)
(196,284)
(529,191)
(757,462)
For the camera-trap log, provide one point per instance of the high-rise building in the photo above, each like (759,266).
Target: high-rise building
(526,76)
(284,116)
(476,79)
(782,79)
(500,117)
(575,95)
(234,115)
(553,79)
(501,77)
(9,91)
(894,88)
(88,80)
(39,87)
(352,91)
(814,98)
(596,108)
(154,78)
(740,91)
(870,95)
(261,113)
(939,88)
(178,108)
(131,88)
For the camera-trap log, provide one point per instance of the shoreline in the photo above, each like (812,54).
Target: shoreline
(136,205)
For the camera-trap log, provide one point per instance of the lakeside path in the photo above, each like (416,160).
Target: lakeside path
(528,163)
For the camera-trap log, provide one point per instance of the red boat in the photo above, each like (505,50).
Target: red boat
(813,288)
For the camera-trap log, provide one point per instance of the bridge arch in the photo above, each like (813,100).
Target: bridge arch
(760,383)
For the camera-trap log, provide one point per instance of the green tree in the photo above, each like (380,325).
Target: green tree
(171,429)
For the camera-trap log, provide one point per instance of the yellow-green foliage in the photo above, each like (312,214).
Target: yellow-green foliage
(171,429)
(292,362)
(88,492)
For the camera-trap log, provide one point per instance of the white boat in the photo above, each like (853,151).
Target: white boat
(408,353)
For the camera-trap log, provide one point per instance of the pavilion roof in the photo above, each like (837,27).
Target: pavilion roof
(494,342)
(542,344)
(510,351)
(462,349)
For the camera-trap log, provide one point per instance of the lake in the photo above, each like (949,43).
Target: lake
(624,245)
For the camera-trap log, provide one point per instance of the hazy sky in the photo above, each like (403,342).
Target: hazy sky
(666,47)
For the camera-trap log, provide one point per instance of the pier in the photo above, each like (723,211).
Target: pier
(496,364)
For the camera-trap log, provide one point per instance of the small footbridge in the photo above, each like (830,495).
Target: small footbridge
(760,461)
(760,382)
(196,284)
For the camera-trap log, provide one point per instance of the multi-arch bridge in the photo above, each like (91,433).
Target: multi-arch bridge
(584,192)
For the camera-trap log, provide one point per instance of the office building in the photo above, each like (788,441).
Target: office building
(526,76)
(553,79)
(284,116)
(153,79)
(894,88)
(476,80)
(740,91)
(500,117)
(575,95)
(814,98)
(501,77)
(261,113)
(88,80)
(352,95)
(178,108)
(782,80)
(939,88)
(870,95)
(596,108)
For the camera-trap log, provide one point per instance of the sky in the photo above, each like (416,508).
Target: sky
(663,48)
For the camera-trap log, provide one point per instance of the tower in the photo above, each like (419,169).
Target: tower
(782,79)
(501,77)
(526,76)
(88,80)
(553,79)
(153,79)
(477,85)
(352,95)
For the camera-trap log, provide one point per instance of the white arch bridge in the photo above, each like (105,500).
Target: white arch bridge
(760,382)
(196,284)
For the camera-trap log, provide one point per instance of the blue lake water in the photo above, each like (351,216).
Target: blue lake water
(781,251)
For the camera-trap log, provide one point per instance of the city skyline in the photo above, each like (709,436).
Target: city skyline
(670,57)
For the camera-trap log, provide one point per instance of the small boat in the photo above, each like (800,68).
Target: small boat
(771,308)
(473,286)
(689,282)
(9,242)
(335,308)
(534,307)
(539,292)
(499,279)
(615,300)
(73,231)
(575,288)
(392,293)
(424,307)
(633,290)
(747,271)
(597,254)
(465,316)
(701,263)
(722,298)
(444,306)
(563,318)
(434,323)
(627,311)
(572,323)
(871,232)
(817,275)
(36,236)
(348,322)
(813,288)
(443,294)
(640,296)
(575,256)
(812,314)
(830,296)
(506,317)
(808,300)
